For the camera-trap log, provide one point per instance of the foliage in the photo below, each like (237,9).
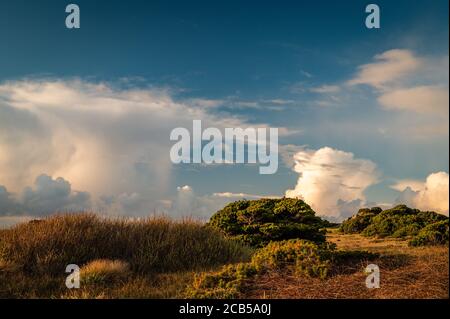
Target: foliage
(433,234)
(360,221)
(296,256)
(399,222)
(258,222)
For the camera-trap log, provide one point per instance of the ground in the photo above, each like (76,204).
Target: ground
(405,272)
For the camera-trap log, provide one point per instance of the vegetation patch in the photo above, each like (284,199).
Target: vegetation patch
(154,245)
(422,227)
(258,222)
(296,256)
(104,271)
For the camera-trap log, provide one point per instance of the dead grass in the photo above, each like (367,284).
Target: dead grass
(406,272)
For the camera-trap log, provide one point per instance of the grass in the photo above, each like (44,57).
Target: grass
(160,258)
(406,272)
(34,255)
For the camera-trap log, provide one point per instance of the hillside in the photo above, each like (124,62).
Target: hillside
(269,248)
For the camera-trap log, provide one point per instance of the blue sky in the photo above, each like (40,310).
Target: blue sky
(286,64)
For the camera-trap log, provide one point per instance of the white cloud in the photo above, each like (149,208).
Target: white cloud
(326,89)
(389,67)
(405,82)
(421,99)
(331,179)
(433,194)
(103,139)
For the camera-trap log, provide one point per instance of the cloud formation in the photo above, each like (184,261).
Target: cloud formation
(406,82)
(47,196)
(109,141)
(332,181)
(433,194)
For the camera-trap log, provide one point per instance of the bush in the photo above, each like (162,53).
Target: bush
(300,257)
(399,222)
(258,222)
(433,234)
(360,221)
(152,245)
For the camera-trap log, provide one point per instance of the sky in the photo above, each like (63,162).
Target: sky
(86,114)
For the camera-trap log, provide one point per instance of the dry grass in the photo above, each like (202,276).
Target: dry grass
(152,245)
(406,272)
(103,270)
(122,258)
(158,258)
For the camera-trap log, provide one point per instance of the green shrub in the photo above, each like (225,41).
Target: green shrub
(258,222)
(399,222)
(300,257)
(433,234)
(360,221)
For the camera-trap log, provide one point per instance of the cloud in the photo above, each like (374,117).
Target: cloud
(109,141)
(332,180)
(433,194)
(405,82)
(413,184)
(326,89)
(420,99)
(46,197)
(388,67)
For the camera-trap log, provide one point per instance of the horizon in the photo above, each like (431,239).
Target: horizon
(86,114)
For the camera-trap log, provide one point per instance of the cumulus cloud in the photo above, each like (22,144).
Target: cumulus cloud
(109,141)
(47,196)
(332,181)
(433,194)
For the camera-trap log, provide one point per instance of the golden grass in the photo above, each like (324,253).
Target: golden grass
(104,270)
(151,245)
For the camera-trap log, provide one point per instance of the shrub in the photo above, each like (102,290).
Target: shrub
(433,234)
(360,221)
(104,270)
(226,283)
(399,222)
(152,245)
(258,222)
(300,257)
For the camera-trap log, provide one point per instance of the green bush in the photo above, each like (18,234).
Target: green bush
(300,257)
(258,222)
(360,221)
(399,222)
(433,234)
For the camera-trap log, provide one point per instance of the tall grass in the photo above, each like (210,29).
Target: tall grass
(149,246)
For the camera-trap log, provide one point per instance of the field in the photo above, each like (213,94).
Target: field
(159,258)
(405,272)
